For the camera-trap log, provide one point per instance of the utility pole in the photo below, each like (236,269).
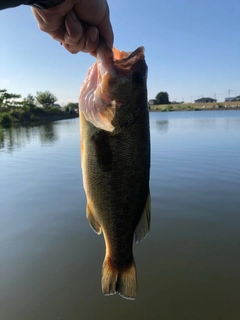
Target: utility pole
(229,91)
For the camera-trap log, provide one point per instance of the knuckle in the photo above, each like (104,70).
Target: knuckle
(71,41)
(42,27)
(72,49)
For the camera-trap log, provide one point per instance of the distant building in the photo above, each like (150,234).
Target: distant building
(232,99)
(56,105)
(152,102)
(205,100)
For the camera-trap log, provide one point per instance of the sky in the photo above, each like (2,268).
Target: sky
(192,48)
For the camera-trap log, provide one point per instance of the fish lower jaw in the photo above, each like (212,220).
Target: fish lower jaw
(117,104)
(110,104)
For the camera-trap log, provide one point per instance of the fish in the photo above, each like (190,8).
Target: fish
(115,160)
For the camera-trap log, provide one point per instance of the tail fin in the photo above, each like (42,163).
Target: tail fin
(123,281)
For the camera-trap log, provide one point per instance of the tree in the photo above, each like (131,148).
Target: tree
(162,98)
(28,103)
(45,98)
(29,98)
(7,99)
(71,106)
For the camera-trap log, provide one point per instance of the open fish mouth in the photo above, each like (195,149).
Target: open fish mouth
(98,101)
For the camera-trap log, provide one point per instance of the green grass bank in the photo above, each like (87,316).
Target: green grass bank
(196,106)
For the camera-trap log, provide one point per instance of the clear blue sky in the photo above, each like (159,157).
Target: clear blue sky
(192,49)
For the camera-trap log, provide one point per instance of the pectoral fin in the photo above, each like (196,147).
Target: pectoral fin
(143,225)
(92,221)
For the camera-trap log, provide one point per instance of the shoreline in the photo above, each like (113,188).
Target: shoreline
(195,106)
(51,117)
(35,118)
(193,109)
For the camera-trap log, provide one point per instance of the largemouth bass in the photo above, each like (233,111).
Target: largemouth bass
(115,157)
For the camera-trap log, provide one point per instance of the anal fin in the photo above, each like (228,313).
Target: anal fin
(92,221)
(143,225)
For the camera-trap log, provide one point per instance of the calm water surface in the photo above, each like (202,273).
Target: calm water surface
(188,266)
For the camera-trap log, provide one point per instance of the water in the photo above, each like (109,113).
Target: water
(188,266)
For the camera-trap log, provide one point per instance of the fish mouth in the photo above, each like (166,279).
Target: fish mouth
(108,60)
(128,59)
(98,100)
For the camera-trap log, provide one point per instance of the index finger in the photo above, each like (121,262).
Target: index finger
(96,14)
(105,29)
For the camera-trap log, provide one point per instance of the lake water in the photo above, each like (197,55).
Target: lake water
(188,266)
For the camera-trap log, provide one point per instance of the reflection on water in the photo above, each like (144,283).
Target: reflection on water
(1,139)
(188,266)
(48,133)
(12,138)
(162,125)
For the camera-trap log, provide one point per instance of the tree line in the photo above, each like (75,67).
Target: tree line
(43,98)
(13,108)
(46,99)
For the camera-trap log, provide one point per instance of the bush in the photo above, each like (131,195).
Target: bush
(169,108)
(27,117)
(71,106)
(23,116)
(39,110)
(67,108)
(5,119)
(29,107)
(55,110)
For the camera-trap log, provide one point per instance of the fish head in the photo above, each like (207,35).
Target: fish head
(115,91)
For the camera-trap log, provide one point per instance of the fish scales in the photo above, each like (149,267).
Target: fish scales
(116,161)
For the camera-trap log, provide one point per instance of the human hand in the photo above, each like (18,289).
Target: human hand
(77,24)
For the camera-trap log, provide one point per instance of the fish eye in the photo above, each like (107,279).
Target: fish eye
(138,77)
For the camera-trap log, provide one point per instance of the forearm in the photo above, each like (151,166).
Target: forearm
(4,4)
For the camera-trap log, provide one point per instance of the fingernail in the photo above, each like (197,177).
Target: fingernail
(73,15)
